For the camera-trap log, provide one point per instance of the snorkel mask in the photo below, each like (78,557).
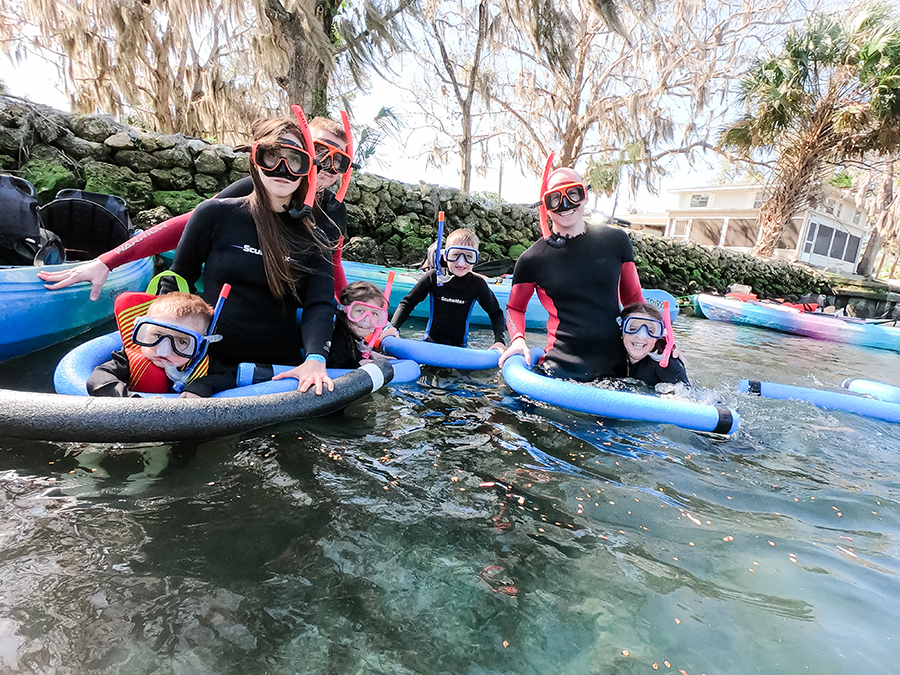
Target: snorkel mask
(635,325)
(168,339)
(467,253)
(358,310)
(284,159)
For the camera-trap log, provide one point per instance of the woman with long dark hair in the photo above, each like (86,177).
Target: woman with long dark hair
(268,247)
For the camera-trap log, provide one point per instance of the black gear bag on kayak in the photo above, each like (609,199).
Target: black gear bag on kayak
(88,223)
(23,241)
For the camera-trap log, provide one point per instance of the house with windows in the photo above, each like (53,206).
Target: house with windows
(828,234)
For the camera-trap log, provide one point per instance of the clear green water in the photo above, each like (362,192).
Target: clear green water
(452,527)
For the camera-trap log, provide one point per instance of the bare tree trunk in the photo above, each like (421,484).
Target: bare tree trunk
(894,266)
(866,265)
(465,91)
(306,80)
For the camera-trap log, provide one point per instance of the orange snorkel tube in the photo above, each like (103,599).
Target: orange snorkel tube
(542,209)
(345,179)
(313,172)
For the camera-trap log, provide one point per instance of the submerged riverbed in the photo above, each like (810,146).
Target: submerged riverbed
(454,527)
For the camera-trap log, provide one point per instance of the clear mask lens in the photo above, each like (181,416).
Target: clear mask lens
(357,311)
(565,197)
(150,333)
(454,253)
(296,160)
(634,325)
(331,160)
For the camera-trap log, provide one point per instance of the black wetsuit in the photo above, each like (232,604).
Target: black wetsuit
(255,326)
(344,350)
(330,216)
(580,282)
(649,371)
(451,307)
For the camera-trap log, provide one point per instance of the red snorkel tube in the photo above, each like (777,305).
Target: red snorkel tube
(310,148)
(670,337)
(345,179)
(375,337)
(542,209)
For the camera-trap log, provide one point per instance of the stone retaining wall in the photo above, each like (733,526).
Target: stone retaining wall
(390,222)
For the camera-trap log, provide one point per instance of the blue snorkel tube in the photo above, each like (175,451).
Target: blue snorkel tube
(437,249)
(204,343)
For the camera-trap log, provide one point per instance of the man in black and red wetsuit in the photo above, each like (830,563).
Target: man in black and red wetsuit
(582,276)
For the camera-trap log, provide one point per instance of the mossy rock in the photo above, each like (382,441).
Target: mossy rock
(516,250)
(49,178)
(414,250)
(177,201)
(110,179)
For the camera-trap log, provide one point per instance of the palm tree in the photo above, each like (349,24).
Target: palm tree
(830,96)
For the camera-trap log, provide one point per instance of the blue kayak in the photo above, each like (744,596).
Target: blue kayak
(33,317)
(404,280)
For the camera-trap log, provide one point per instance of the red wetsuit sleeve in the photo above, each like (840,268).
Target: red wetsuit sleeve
(340,279)
(519,295)
(156,240)
(629,285)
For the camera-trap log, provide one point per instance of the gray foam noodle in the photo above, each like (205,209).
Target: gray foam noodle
(54,417)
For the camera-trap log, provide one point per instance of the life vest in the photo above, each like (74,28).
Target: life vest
(144,376)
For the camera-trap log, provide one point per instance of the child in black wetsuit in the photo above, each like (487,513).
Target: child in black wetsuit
(452,300)
(643,333)
(363,310)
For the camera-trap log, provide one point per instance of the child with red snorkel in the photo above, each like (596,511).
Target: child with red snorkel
(644,334)
(583,275)
(362,320)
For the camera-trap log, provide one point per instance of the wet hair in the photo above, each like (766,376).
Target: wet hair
(328,125)
(181,306)
(363,291)
(274,238)
(650,310)
(462,237)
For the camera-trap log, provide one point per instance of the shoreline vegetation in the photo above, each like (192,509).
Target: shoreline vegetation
(389,222)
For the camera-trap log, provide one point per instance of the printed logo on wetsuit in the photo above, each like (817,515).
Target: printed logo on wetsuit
(247,248)
(454,300)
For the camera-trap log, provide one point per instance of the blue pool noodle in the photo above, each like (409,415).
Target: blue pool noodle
(618,404)
(441,356)
(868,407)
(879,390)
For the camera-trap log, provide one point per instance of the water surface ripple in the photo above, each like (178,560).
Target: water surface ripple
(454,527)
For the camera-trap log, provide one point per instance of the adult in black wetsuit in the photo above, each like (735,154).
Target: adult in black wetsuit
(274,257)
(453,300)
(581,275)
